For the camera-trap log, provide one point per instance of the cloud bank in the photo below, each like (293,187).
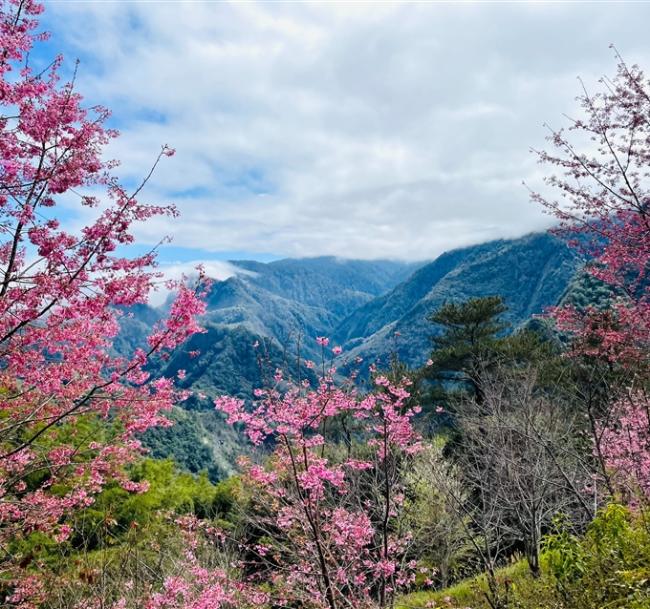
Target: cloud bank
(387,130)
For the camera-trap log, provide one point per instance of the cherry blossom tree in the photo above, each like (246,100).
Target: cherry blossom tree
(329,512)
(604,164)
(626,447)
(61,296)
(203,577)
(603,160)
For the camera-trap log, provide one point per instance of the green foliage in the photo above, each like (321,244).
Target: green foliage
(585,290)
(198,441)
(564,555)
(128,541)
(609,567)
(228,494)
(466,335)
(439,535)
(113,519)
(471,340)
(469,323)
(170,491)
(471,593)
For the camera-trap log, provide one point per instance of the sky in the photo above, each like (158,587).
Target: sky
(359,130)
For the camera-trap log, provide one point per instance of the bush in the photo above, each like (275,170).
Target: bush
(609,567)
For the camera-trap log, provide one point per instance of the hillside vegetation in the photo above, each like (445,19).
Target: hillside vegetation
(371,309)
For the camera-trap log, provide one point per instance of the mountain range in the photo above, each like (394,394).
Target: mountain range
(267,314)
(531,274)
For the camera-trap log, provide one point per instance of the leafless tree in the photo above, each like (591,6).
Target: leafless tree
(439,535)
(479,516)
(522,457)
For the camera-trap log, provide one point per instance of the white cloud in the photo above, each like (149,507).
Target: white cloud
(349,129)
(217,270)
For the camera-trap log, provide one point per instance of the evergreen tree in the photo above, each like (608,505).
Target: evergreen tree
(472,339)
(469,338)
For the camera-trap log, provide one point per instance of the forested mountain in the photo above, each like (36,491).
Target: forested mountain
(337,285)
(262,317)
(257,321)
(371,308)
(293,301)
(284,305)
(531,274)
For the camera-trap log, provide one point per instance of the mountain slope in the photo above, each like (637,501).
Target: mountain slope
(377,313)
(292,301)
(231,361)
(530,273)
(371,308)
(337,285)
(272,305)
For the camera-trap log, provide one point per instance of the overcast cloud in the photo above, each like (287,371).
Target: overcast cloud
(355,130)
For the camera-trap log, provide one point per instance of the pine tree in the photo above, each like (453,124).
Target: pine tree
(470,339)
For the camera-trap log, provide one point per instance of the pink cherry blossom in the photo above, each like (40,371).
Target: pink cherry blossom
(309,487)
(603,209)
(62,295)
(625,446)
(602,206)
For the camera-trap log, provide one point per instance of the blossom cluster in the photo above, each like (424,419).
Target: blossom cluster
(337,512)
(603,207)
(625,446)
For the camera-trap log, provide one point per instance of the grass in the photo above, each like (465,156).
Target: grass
(527,592)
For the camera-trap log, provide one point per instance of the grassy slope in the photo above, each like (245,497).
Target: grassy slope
(526,592)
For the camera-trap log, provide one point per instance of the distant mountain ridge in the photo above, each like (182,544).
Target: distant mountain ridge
(284,305)
(266,314)
(370,308)
(294,300)
(531,274)
(336,284)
